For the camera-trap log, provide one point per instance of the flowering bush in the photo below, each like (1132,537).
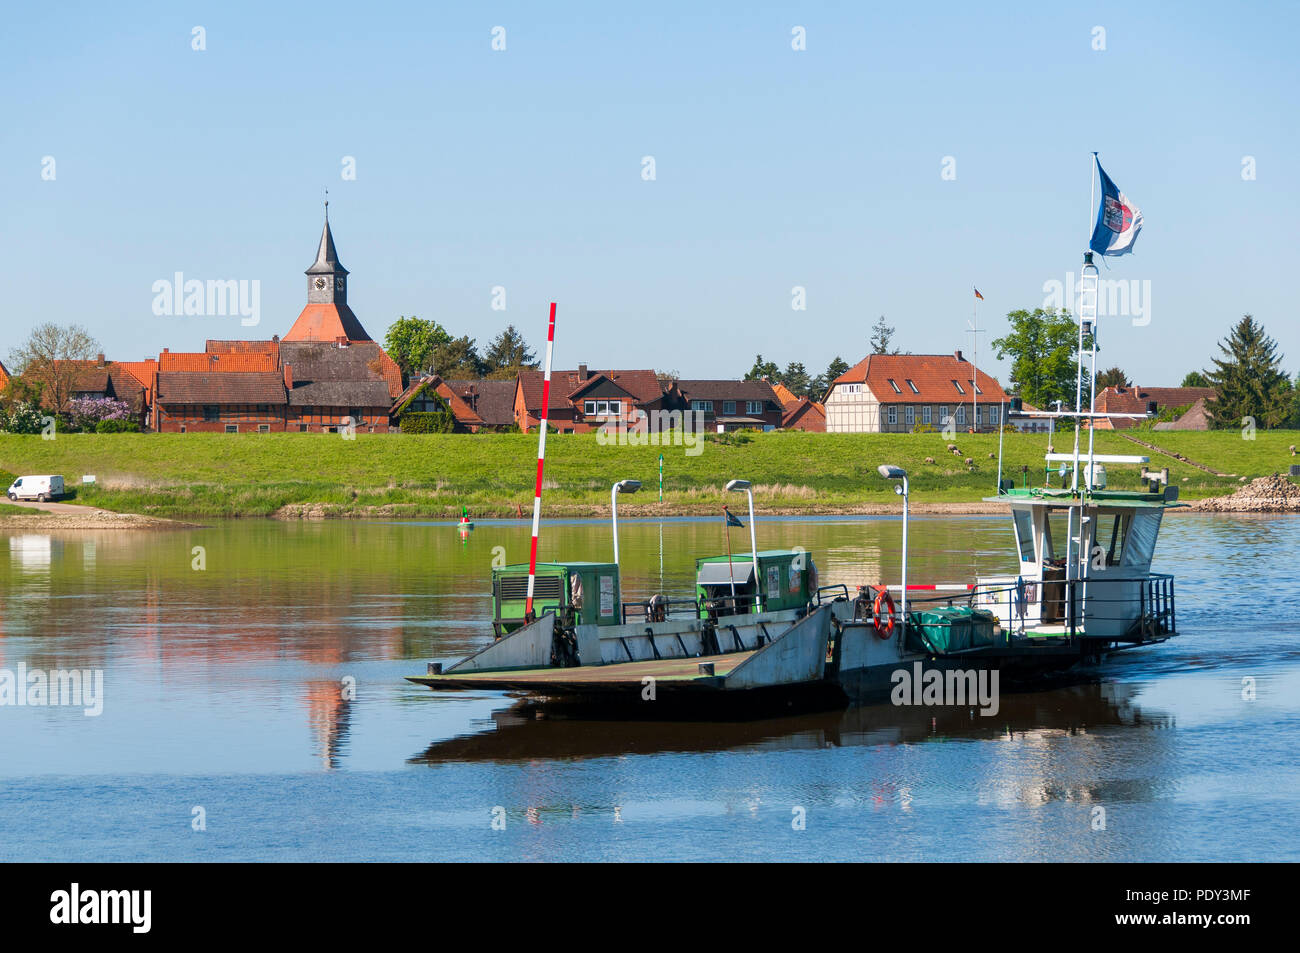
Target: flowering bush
(22,417)
(85,413)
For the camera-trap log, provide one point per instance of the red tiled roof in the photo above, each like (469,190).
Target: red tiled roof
(493,401)
(4,374)
(242,347)
(142,371)
(326,322)
(932,374)
(716,390)
(785,395)
(251,362)
(805,414)
(641,384)
(192,387)
(1133,400)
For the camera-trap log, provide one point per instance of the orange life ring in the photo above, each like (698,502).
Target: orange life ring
(883,597)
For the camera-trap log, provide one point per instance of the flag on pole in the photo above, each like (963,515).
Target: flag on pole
(1118,220)
(978,295)
(732,519)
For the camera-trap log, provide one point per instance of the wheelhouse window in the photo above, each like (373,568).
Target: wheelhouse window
(1024,534)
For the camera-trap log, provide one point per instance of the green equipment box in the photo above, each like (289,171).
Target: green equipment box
(590,590)
(783,578)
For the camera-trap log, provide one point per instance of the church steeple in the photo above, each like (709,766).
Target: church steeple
(327,278)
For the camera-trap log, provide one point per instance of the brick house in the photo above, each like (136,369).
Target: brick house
(582,400)
(431,394)
(225,401)
(799,413)
(726,404)
(492,401)
(1134,400)
(895,393)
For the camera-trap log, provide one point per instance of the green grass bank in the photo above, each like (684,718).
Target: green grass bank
(225,475)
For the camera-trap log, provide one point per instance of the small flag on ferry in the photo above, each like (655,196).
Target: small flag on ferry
(978,295)
(1118,220)
(732,520)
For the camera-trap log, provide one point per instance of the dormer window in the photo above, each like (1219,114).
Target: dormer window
(912,385)
(894,384)
(957,384)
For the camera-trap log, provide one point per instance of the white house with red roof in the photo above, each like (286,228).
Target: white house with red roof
(896,393)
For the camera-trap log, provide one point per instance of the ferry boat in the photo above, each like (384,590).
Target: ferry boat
(759,632)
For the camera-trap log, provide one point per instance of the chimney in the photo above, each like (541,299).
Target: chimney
(957,354)
(288,377)
(582,372)
(99,359)
(166,350)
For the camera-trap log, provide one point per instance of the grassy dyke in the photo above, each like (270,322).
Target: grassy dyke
(215,475)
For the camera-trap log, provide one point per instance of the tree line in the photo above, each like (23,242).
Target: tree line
(422,346)
(1247,375)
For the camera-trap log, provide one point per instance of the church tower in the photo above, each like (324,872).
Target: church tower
(327,316)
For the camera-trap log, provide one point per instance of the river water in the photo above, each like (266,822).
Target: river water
(253,707)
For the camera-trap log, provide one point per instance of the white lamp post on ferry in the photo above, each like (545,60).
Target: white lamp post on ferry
(622,486)
(736,486)
(890,472)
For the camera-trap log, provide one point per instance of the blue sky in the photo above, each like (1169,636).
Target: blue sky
(774,169)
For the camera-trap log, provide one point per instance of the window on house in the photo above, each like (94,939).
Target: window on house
(960,389)
(263,408)
(263,428)
(702,405)
(728,406)
(211,412)
(753,406)
(993,414)
(961,416)
(912,385)
(357,417)
(893,414)
(894,384)
(182,428)
(925,414)
(909,415)
(977,389)
(616,408)
(302,428)
(232,428)
(589,407)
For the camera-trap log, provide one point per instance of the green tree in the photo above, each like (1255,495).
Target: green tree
(763,369)
(47,361)
(1042,345)
(881,335)
(507,354)
(795,377)
(1249,379)
(1195,379)
(457,359)
(822,383)
(1112,377)
(411,342)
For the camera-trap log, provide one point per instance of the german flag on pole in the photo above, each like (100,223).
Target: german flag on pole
(978,295)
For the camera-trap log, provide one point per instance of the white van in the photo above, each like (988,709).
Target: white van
(43,488)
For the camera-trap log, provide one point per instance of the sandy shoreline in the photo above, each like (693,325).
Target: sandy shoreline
(93,520)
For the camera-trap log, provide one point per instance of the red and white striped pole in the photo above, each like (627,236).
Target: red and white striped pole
(541,461)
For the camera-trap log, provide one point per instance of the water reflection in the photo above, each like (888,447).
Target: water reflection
(531,730)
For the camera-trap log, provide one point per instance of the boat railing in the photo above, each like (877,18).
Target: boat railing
(660,610)
(1076,601)
(830,593)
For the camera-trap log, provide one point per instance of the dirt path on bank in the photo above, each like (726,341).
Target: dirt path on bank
(72,516)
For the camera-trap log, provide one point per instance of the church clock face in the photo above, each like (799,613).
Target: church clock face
(320,284)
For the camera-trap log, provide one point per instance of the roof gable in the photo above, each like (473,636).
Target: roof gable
(931,379)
